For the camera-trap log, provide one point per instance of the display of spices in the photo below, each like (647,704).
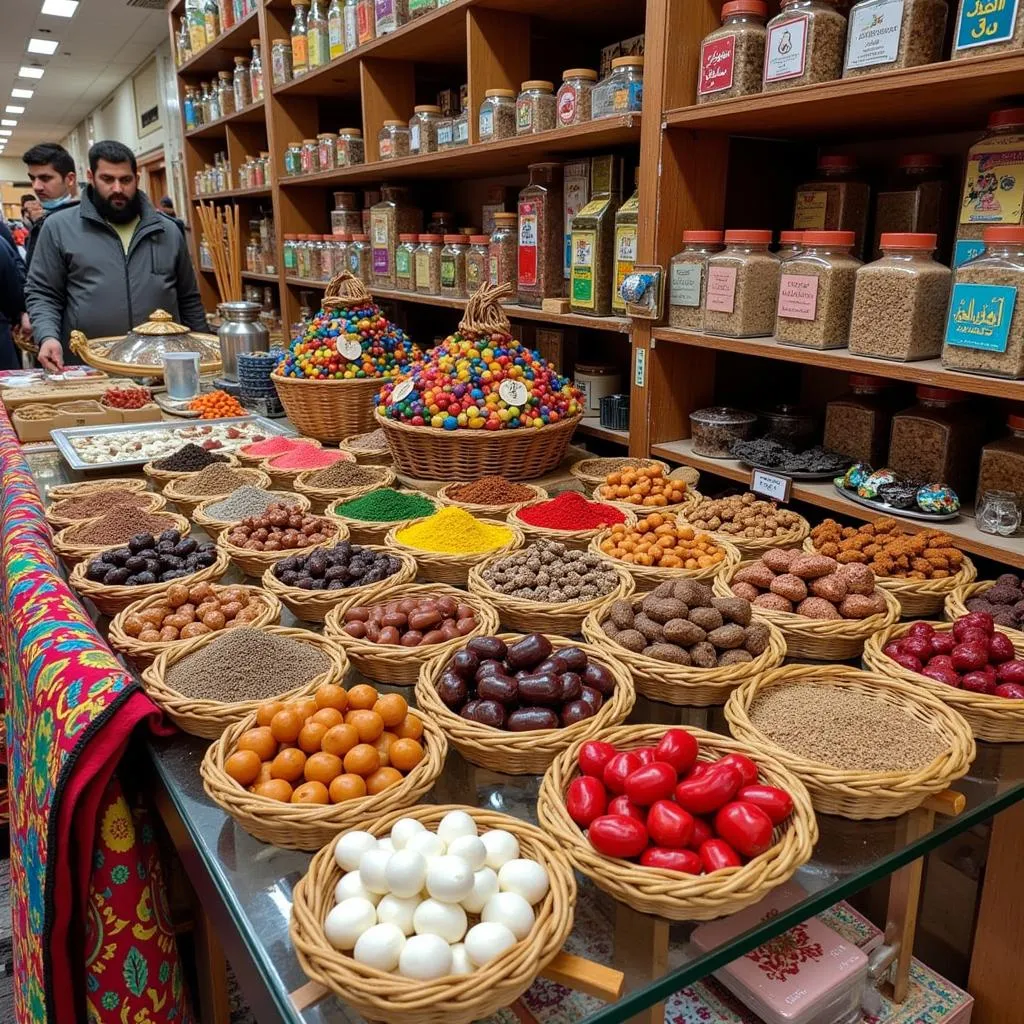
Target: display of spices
(732,57)
(804,44)
(857,424)
(281,528)
(502,250)
(688,279)
(453,531)
(90,506)
(838,200)
(374,440)
(771,454)
(496,118)
(345,474)
(742,288)
(385,505)
(716,429)
(535,107)
(244,503)
(215,480)
(187,612)
(917,198)
(338,568)
(393,140)
(307,457)
(1004,601)
(118,526)
(682,623)
(645,485)
(539,254)
(1002,463)
(572,104)
(570,511)
(744,516)
(548,572)
(351,148)
(453,266)
(276,445)
(392,216)
(658,541)
(918,39)
(411,621)
(490,490)
(189,458)
(148,559)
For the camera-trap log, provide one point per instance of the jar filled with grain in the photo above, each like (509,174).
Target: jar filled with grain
(979,32)
(453,266)
(535,107)
(884,36)
(351,149)
(985,327)
(688,279)
(460,129)
(428,264)
(937,440)
(1002,463)
(309,157)
(293,158)
(838,199)
(444,134)
(327,151)
(392,216)
(621,91)
(359,257)
(346,217)
(405,262)
(857,424)
(791,243)
(423,128)
(501,251)
(496,118)
(541,241)
(572,103)
(477,262)
(804,44)
(281,61)
(742,286)
(917,199)
(816,291)
(732,57)
(899,302)
(393,140)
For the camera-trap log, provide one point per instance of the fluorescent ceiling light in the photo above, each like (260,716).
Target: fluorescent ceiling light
(44,46)
(28,72)
(8,122)
(6,131)
(60,8)
(13,108)
(21,94)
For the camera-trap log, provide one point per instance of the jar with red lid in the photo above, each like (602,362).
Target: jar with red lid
(916,198)
(836,200)
(857,424)
(1002,463)
(790,244)
(804,44)
(688,279)
(742,286)
(732,57)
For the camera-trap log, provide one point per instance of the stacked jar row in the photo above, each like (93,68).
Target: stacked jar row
(205,21)
(327,152)
(228,93)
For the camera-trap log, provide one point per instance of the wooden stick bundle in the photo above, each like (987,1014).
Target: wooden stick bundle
(221,229)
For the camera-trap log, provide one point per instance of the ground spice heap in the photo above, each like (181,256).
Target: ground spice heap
(373,441)
(346,474)
(120,524)
(246,664)
(385,506)
(188,459)
(96,504)
(276,445)
(244,502)
(571,511)
(491,490)
(839,727)
(454,531)
(215,480)
(305,456)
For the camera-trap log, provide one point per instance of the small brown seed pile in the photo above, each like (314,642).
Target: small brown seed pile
(754,297)
(188,459)
(371,441)
(491,490)
(922,33)
(119,525)
(824,46)
(97,504)
(743,516)
(840,727)
(215,480)
(549,572)
(346,474)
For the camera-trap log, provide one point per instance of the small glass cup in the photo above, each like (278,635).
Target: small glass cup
(998,513)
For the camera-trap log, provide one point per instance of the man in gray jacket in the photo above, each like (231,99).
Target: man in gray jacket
(103,265)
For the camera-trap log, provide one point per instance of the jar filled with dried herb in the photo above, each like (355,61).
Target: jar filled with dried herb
(359,257)
(732,57)
(916,199)
(899,302)
(884,36)
(497,115)
(976,33)
(393,140)
(804,44)
(428,264)
(572,104)
(392,216)
(742,286)
(351,148)
(1002,463)
(791,243)
(857,424)
(405,262)
(535,107)
(837,200)
(688,279)
(423,128)
(453,266)
(346,217)
(501,250)
(477,262)
(539,254)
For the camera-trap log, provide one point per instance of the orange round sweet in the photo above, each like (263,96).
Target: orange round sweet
(339,739)
(311,735)
(383,744)
(323,768)
(362,759)
(304,708)
(261,740)
(392,708)
(275,789)
(265,712)
(331,695)
(409,728)
(328,716)
(311,793)
(286,725)
(362,697)
(405,754)
(381,779)
(368,724)
(288,764)
(243,766)
(346,787)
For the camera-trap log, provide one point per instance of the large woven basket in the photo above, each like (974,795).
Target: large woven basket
(313,605)
(454,999)
(672,894)
(215,527)
(955,604)
(685,685)
(73,550)
(593,472)
(210,718)
(256,563)
(791,538)
(819,639)
(992,718)
(148,501)
(323,497)
(647,577)
(366,456)
(363,531)
(188,503)
(258,460)
(162,477)
(86,487)
(860,794)
(111,599)
(577,540)
(310,826)
(144,653)
(496,512)
(439,567)
(397,665)
(522,753)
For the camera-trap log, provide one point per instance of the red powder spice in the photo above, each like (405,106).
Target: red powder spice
(305,456)
(571,511)
(273,445)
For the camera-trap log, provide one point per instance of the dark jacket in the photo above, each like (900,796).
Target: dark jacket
(82,279)
(12,303)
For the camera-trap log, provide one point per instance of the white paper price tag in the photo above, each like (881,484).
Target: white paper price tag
(350,349)
(513,391)
(769,485)
(402,391)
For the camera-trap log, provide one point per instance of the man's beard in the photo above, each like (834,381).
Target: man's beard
(117,214)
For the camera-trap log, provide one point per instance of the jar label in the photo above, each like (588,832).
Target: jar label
(444,132)
(874,34)
(528,244)
(289,256)
(385,16)
(315,43)
(581,272)
(716,64)
(486,123)
(994,182)
(336,36)
(968,249)
(685,285)
(350,349)
(422,268)
(363,21)
(379,240)
(798,296)
(785,49)
(386,148)
(460,129)
(575,192)
(980,315)
(414,137)
(524,115)
(721,293)
(629,97)
(810,209)
(447,271)
(472,275)
(567,103)
(300,54)
(493,269)
(403,263)
(980,23)
(625,260)
(513,391)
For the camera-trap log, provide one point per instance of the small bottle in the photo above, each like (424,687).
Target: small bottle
(196,26)
(300,43)
(225,93)
(213,102)
(318,50)
(351,24)
(211,21)
(256,72)
(226,13)
(188,108)
(336,29)
(502,250)
(241,83)
(477,262)
(366,21)
(281,61)
(183,43)
(293,158)
(290,264)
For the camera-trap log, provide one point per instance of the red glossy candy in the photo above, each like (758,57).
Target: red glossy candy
(746,767)
(594,755)
(775,802)
(669,825)
(746,828)
(651,782)
(674,860)
(702,832)
(646,754)
(708,792)
(585,800)
(618,769)
(677,748)
(615,835)
(623,805)
(716,854)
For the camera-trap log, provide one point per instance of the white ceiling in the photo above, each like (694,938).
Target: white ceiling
(100,46)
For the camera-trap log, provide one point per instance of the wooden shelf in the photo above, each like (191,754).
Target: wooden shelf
(926,371)
(252,114)
(217,55)
(248,275)
(824,495)
(234,193)
(592,425)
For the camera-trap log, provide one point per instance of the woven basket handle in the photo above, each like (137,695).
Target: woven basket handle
(345,289)
(484,313)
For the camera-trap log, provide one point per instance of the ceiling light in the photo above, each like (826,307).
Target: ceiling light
(8,122)
(13,108)
(60,8)
(21,94)
(6,131)
(44,46)
(29,72)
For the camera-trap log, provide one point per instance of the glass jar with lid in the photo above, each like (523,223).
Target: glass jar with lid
(541,239)
(351,149)
(300,38)
(742,286)
(188,109)
(501,251)
(256,71)
(405,262)
(280,61)
(714,430)
(423,128)
(211,18)
(998,512)
(978,34)
(293,158)
(366,21)
(838,199)
(622,90)
(732,57)
(899,302)
(804,44)
(916,198)
(1002,463)
(393,140)
(477,262)
(445,134)
(346,217)
(289,256)
(394,215)
(310,156)
(497,115)
(359,257)
(417,8)
(688,279)
(441,222)
(428,264)
(460,129)
(791,425)
(390,15)
(857,424)
(572,104)
(453,266)
(535,107)
(882,38)
(252,254)
(226,14)
(326,151)
(241,83)
(318,45)
(213,111)
(340,244)
(225,93)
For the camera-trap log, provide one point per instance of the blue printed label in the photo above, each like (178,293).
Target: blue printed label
(968,249)
(983,22)
(980,315)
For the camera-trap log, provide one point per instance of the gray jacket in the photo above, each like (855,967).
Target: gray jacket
(82,279)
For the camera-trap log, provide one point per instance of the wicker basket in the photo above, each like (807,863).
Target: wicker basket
(111,599)
(144,653)
(956,602)
(323,497)
(593,472)
(819,639)
(522,753)
(496,512)
(215,527)
(791,538)
(438,567)
(400,666)
(576,540)
(87,487)
(685,685)
(313,605)
(363,531)
(188,503)
(992,718)
(670,894)
(73,550)
(152,502)
(453,999)
(565,618)
(162,477)
(860,794)
(284,479)
(256,563)
(310,826)
(366,456)
(210,718)
(647,577)
(256,461)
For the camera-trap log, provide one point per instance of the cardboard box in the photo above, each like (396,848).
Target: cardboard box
(149,413)
(550,342)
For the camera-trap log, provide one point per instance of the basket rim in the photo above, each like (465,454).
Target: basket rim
(165,475)
(375,382)
(663,574)
(676,509)
(77,549)
(234,551)
(793,537)
(477,509)
(170,491)
(82,487)
(479,437)
(335,494)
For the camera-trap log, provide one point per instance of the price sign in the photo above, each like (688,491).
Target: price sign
(350,349)
(513,391)
(402,391)
(769,485)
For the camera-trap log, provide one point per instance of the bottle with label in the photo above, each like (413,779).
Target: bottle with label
(225,93)
(572,104)
(981,30)
(625,243)
(688,279)
(392,216)
(539,253)
(732,57)
(366,21)
(300,44)
(336,29)
(501,250)
(888,34)
(405,262)
(622,90)
(196,25)
(803,44)
(390,15)
(318,50)
(592,245)
(839,200)
(188,108)
(350,19)
(183,43)
(226,13)
(211,21)
(240,81)
(256,72)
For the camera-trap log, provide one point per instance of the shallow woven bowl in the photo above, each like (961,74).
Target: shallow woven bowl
(438,567)
(647,577)
(144,653)
(819,639)
(791,538)
(366,456)
(522,753)
(496,512)
(86,487)
(323,497)
(313,605)
(209,718)
(455,999)
(256,563)
(153,503)
(996,719)
(671,894)
(577,540)
(257,460)
(364,531)
(310,826)
(188,503)
(215,527)
(593,472)
(285,478)
(397,665)
(685,685)
(162,477)
(74,551)
(860,794)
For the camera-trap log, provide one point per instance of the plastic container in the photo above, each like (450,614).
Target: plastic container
(496,118)
(884,36)
(973,34)
(858,423)
(804,44)
(359,257)
(838,200)
(899,302)
(477,262)
(502,250)
(541,241)
(622,90)
(535,107)
(688,279)
(1002,463)
(281,70)
(715,429)
(596,381)
(998,512)
(351,149)
(423,129)
(791,243)
(393,140)
(732,57)
(405,262)
(916,199)
(453,266)
(742,286)
(428,264)
(572,104)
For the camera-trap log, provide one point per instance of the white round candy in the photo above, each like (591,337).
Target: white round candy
(373,866)
(487,940)
(470,849)
(501,847)
(350,847)
(348,920)
(455,824)
(460,959)
(449,879)
(403,830)
(394,910)
(485,885)
(351,884)
(511,910)
(525,877)
(380,947)
(426,843)
(435,918)
(406,872)
(385,844)
(425,957)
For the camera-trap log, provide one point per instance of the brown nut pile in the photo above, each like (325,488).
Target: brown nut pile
(928,555)
(683,623)
(814,586)
(187,612)
(280,528)
(742,515)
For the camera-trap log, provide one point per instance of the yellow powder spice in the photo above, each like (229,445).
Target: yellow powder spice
(453,531)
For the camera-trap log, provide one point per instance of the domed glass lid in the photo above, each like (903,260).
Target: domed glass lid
(147,343)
